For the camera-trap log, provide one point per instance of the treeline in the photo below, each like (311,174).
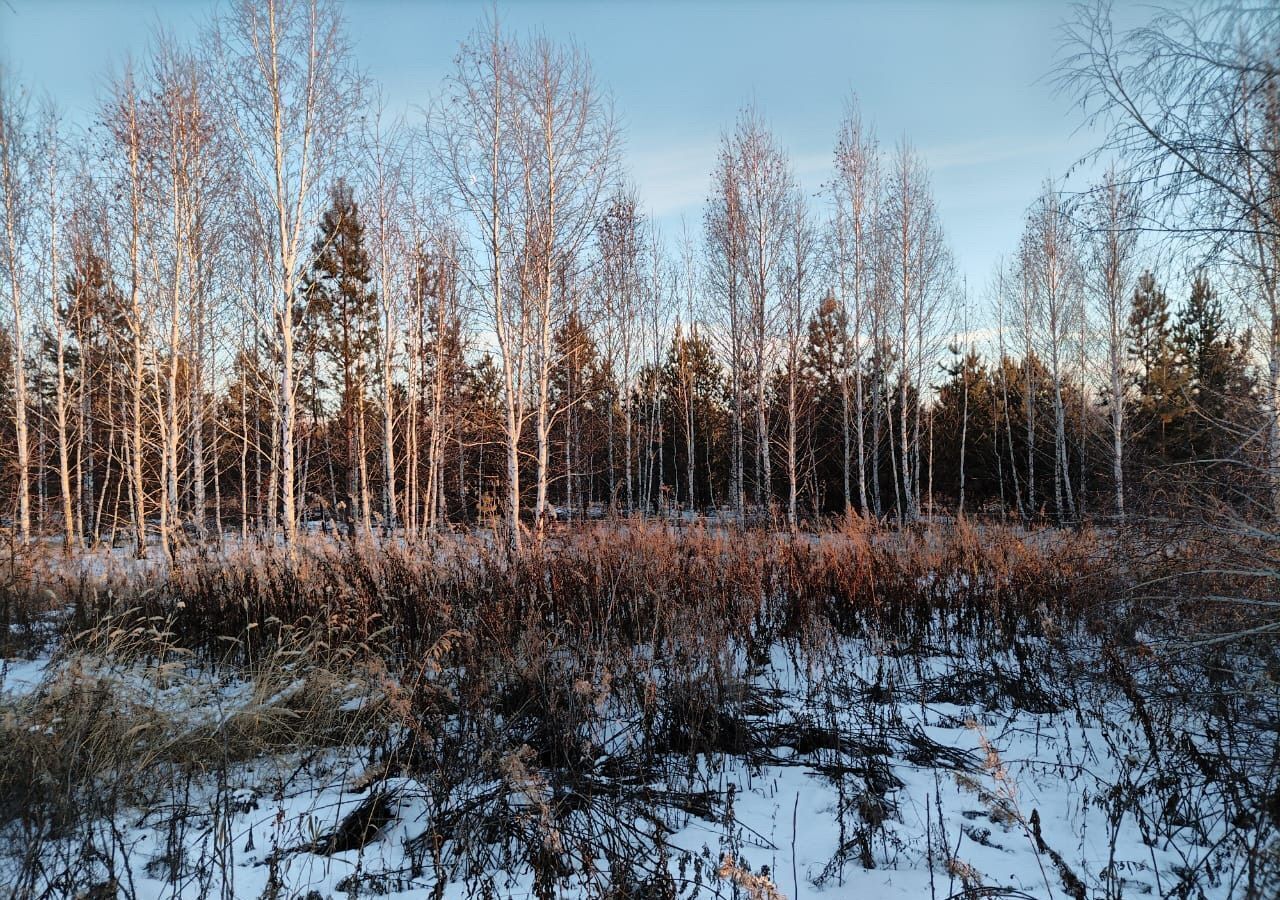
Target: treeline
(247,298)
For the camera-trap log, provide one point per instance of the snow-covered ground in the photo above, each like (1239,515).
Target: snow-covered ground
(866,775)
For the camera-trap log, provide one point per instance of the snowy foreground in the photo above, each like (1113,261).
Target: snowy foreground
(869,775)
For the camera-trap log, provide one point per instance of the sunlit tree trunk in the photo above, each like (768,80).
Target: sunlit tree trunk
(15,185)
(52,152)
(285,74)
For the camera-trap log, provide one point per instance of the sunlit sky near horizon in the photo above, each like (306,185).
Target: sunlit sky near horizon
(968,83)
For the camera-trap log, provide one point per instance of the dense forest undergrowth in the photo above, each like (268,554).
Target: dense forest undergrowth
(634,710)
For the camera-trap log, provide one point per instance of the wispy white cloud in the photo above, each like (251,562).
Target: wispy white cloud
(673,177)
(977,336)
(987,151)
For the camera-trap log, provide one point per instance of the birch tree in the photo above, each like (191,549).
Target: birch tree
(1051,271)
(284,67)
(919,279)
(725,238)
(439,286)
(765,189)
(385,151)
(17,187)
(180,133)
(123,118)
(684,369)
(1026,312)
(90,314)
(1112,236)
(657,303)
(621,247)
(51,151)
(473,143)
(566,153)
(998,291)
(855,193)
(797,302)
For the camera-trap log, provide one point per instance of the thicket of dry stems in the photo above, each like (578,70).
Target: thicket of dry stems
(553,705)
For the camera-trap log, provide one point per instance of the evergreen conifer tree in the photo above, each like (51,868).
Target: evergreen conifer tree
(1159,406)
(1215,372)
(341,317)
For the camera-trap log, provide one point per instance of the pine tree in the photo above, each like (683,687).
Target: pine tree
(246,419)
(341,316)
(826,358)
(693,379)
(1159,402)
(93,309)
(579,397)
(969,392)
(1215,373)
(482,468)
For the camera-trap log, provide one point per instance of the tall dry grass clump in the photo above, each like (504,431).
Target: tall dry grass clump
(556,705)
(125,723)
(641,584)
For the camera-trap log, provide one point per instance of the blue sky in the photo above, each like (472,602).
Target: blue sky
(965,82)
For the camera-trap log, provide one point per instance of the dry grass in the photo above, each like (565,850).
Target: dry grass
(123,720)
(552,689)
(641,584)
